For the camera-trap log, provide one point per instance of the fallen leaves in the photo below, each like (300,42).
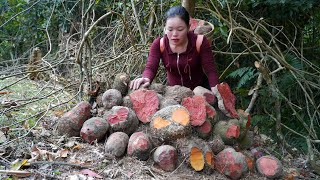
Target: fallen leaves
(90,173)
(44,155)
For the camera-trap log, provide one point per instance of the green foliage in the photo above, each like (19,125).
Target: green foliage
(245,74)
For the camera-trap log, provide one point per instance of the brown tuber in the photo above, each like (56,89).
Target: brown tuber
(111,97)
(139,146)
(93,129)
(167,102)
(166,157)
(217,144)
(204,131)
(269,167)
(71,122)
(198,153)
(121,82)
(157,87)
(209,96)
(177,92)
(122,119)
(116,144)
(170,123)
(228,130)
(127,102)
(231,163)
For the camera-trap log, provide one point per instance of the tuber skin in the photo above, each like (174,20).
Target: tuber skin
(71,122)
(166,157)
(139,146)
(121,83)
(111,97)
(122,119)
(269,166)
(170,123)
(116,144)
(93,129)
(209,96)
(197,152)
(231,163)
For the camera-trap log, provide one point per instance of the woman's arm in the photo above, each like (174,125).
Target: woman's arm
(208,63)
(151,67)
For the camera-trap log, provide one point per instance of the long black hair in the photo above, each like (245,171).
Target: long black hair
(178,11)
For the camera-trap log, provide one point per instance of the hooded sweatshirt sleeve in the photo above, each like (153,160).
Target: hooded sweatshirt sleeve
(154,56)
(208,63)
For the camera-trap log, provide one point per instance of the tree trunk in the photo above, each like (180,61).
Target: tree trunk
(189,5)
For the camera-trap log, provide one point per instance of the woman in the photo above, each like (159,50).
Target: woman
(184,64)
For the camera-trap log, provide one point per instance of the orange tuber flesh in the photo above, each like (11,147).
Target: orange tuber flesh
(181,116)
(160,123)
(210,159)
(196,159)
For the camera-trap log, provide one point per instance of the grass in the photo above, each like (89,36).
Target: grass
(31,97)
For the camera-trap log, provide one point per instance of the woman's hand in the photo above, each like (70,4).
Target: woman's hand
(135,84)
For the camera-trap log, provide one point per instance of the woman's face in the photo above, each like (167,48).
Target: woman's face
(176,30)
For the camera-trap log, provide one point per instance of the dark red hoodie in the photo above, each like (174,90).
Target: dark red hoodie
(188,68)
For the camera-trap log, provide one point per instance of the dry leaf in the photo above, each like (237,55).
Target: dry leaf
(58,112)
(90,173)
(77,147)
(70,144)
(17,164)
(43,155)
(63,153)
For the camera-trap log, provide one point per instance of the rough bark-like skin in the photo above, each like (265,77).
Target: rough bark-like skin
(247,141)
(139,146)
(216,144)
(111,97)
(220,116)
(71,122)
(174,130)
(167,102)
(203,29)
(226,100)
(157,87)
(196,106)
(177,93)
(126,101)
(231,163)
(166,157)
(116,144)
(121,83)
(269,167)
(228,130)
(93,129)
(209,96)
(245,122)
(185,145)
(204,131)
(122,119)
(145,104)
